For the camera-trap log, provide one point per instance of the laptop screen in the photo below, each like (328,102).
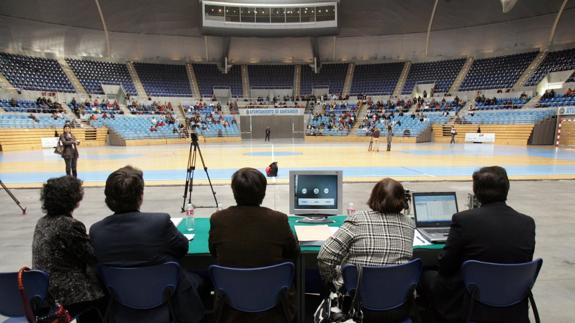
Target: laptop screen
(432,209)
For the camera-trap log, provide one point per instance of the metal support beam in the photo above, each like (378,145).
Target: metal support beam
(105,27)
(429,27)
(554,28)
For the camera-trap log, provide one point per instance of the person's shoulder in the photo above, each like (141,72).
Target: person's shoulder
(273,213)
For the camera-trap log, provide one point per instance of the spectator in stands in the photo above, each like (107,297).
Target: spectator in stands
(493,232)
(453,133)
(570,92)
(356,243)
(478,129)
(130,238)
(33,117)
(70,152)
(62,248)
(248,235)
(13,103)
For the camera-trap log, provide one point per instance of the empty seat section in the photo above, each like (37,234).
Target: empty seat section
(139,127)
(496,72)
(509,117)
(500,103)
(34,73)
(442,73)
(93,74)
(555,61)
(557,101)
(26,122)
(375,79)
(210,77)
(271,76)
(164,80)
(331,76)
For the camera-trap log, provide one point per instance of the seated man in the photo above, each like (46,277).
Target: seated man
(130,238)
(493,232)
(248,235)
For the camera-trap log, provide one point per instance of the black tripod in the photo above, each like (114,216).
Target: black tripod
(188,189)
(13,197)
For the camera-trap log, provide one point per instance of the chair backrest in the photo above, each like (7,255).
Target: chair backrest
(35,286)
(252,289)
(141,288)
(500,285)
(384,287)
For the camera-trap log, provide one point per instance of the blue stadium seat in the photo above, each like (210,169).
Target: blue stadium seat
(93,74)
(374,79)
(442,73)
(330,75)
(36,289)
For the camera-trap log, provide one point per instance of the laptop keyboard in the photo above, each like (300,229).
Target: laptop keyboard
(437,230)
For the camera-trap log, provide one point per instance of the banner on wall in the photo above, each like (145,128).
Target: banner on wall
(270,112)
(480,137)
(566,111)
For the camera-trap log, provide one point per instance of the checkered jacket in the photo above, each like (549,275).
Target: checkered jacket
(367,238)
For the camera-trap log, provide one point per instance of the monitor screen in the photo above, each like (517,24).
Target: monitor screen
(315,192)
(434,207)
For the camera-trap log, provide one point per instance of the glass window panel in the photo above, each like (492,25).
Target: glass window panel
(214,12)
(278,15)
(292,14)
(248,15)
(307,14)
(325,13)
(233,14)
(263,15)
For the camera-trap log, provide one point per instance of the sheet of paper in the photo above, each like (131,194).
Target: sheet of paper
(176,221)
(419,240)
(313,234)
(189,236)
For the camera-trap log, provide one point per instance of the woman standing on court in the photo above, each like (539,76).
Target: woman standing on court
(70,150)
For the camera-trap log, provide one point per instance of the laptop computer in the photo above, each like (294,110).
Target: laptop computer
(433,212)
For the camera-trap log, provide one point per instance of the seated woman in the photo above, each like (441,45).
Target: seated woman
(62,248)
(378,237)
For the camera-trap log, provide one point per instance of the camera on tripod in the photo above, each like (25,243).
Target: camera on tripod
(194,137)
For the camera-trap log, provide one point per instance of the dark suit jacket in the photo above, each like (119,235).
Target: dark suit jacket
(252,236)
(143,239)
(70,147)
(492,233)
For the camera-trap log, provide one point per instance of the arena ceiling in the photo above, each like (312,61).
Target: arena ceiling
(369,30)
(357,17)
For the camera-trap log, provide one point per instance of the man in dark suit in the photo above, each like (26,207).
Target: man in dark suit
(248,235)
(130,238)
(493,232)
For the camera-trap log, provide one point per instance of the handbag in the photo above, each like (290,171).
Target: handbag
(59,149)
(330,310)
(57,313)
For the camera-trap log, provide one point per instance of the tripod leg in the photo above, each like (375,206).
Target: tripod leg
(189,175)
(13,198)
(208,176)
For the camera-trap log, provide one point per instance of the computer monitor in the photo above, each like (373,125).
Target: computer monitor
(315,195)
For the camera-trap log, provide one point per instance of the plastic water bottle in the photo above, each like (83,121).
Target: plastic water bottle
(190,220)
(350,209)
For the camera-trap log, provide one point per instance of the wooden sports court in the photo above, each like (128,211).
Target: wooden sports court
(166,164)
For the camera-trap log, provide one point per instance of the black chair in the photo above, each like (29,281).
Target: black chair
(253,290)
(500,285)
(136,292)
(384,288)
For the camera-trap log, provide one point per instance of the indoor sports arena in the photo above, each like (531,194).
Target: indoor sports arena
(287,161)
